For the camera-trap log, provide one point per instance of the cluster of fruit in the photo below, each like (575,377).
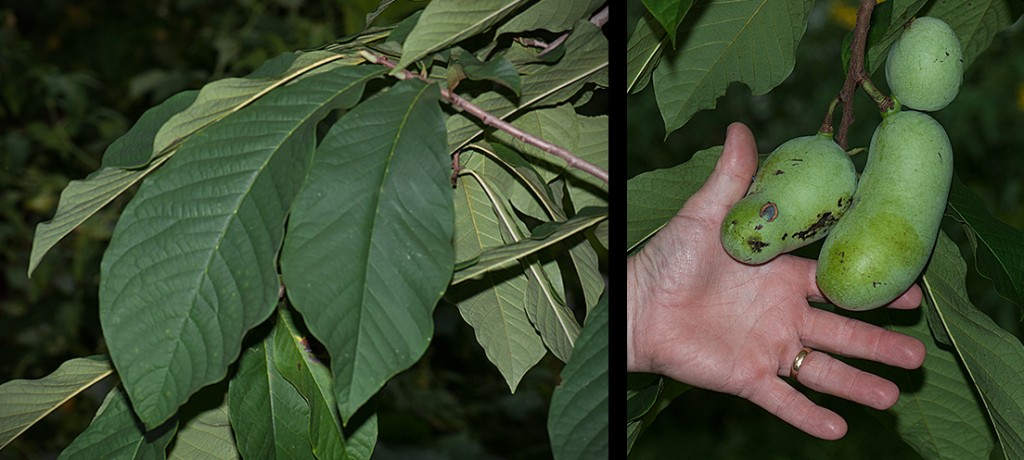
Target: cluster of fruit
(880,229)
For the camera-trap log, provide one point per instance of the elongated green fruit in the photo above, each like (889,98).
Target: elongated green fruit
(925,65)
(802,188)
(881,245)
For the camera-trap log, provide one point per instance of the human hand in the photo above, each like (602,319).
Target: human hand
(700,317)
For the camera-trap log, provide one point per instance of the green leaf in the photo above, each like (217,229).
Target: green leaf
(25,402)
(80,200)
(380,9)
(476,227)
(521,183)
(550,15)
(586,137)
(643,53)
(208,436)
(586,55)
(297,364)
(497,258)
(996,245)
(498,70)
(586,266)
(368,252)
(546,308)
(642,391)
(361,438)
(671,390)
(135,148)
(192,263)
(544,301)
(116,433)
(223,97)
(652,198)
(268,414)
(976,23)
(748,41)
(493,304)
(669,14)
(156,135)
(992,357)
(938,412)
(447,22)
(578,418)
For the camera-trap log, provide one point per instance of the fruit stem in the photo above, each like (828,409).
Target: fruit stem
(826,125)
(885,104)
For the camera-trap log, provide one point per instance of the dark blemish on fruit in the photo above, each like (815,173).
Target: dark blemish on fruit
(756,245)
(840,202)
(758,227)
(784,236)
(825,221)
(779,171)
(769,211)
(875,284)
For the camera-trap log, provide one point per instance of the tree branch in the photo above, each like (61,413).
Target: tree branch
(856,76)
(462,104)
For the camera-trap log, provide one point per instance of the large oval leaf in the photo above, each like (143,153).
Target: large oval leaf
(492,304)
(748,41)
(992,357)
(192,263)
(369,246)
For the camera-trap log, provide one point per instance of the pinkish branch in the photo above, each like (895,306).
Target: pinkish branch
(489,119)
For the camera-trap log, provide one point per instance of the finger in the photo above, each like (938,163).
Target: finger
(825,374)
(828,331)
(782,400)
(731,177)
(908,300)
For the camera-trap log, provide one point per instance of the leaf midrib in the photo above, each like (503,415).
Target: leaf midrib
(360,331)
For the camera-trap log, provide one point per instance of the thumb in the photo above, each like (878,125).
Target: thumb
(730,179)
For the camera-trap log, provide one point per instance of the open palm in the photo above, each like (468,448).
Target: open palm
(700,317)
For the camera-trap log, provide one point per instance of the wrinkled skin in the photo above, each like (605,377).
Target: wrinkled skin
(800,192)
(882,244)
(700,317)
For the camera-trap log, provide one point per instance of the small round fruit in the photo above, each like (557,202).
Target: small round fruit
(925,66)
(802,188)
(883,242)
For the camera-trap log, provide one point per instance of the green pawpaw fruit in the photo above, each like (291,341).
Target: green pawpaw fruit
(798,194)
(881,245)
(925,66)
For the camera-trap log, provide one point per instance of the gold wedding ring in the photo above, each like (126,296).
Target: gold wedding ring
(798,361)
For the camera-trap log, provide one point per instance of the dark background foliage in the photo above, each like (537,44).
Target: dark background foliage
(984,125)
(75,75)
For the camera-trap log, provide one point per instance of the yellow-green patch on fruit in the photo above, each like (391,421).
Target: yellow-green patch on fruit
(798,194)
(881,245)
(925,66)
